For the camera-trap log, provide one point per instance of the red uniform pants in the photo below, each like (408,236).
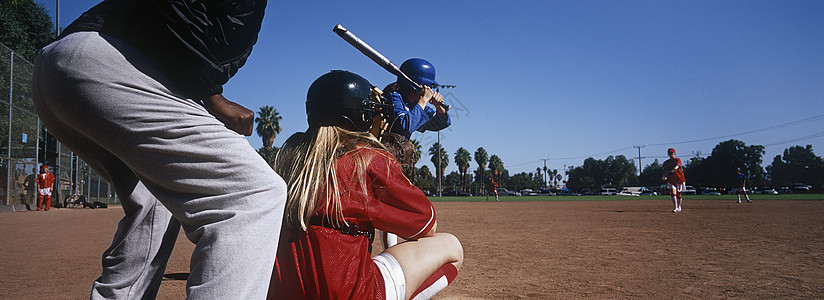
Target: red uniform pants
(40,199)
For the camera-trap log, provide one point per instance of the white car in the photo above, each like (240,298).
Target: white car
(800,187)
(765,190)
(690,190)
(630,191)
(609,191)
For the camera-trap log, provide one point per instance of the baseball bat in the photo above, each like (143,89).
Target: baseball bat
(378,58)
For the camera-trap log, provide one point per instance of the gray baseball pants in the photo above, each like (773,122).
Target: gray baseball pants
(172,165)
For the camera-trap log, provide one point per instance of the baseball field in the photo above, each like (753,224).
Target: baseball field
(519,248)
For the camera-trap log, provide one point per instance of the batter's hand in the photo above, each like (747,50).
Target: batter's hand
(425,94)
(435,100)
(236,117)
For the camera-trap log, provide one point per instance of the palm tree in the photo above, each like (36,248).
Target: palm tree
(462,159)
(558,178)
(268,127)
(554,177)
(439,152)
(546,173)
(496,165)
(538,171)
(416,155)
(481,158)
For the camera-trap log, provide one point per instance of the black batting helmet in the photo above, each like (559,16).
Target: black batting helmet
(340,98)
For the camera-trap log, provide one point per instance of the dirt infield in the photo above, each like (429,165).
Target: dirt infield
(513,250)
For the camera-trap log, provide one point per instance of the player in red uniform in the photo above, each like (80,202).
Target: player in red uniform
(45,182)
(342,186)
(491,187)
(674,175)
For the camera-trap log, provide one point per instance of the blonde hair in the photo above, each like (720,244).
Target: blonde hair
(307,162)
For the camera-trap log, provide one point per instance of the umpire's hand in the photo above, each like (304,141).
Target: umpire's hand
(233,115)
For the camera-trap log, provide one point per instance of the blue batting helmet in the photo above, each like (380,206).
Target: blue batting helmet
(420,71)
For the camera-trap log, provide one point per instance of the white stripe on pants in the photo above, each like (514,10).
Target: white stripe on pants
(171,164)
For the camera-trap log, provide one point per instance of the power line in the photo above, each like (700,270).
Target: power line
(807,120)
(798,139)
(797,122)
(793,140)
(591,155)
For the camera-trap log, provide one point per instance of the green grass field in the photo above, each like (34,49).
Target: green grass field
(616,198)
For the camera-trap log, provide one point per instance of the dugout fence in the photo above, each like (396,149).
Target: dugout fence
(25,144)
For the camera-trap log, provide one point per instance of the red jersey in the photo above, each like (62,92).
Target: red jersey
(677,177)
(45,180)
(492,186)
(325,263)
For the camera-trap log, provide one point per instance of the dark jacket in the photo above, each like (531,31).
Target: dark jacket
(199,44)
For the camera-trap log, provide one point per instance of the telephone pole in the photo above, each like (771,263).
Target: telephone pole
(440,178)
(639,157)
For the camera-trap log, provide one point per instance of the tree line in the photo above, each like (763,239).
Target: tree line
(797,165)
(719,169)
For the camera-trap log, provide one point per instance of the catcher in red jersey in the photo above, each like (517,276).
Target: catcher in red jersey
(342,185)
(45,182)
(674,175)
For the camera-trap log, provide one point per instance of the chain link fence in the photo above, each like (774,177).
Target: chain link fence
(25,145)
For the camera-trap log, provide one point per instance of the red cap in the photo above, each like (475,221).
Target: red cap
(671,150)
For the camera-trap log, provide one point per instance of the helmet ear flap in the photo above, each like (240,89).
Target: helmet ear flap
(366,116)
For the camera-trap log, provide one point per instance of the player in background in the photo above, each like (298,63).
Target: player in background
(411,112)
(674,175)
(342,185)
(491,187)
(742,186)
(45,182)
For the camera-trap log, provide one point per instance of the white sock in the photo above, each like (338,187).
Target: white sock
(389,239)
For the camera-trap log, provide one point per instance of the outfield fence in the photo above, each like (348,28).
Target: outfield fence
(25,145)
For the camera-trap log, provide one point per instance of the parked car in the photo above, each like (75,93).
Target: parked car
(528,192)
(505,192)
(783,190)
(428,194)
(800,188)
(637,191)
(709,191)
(628,192)
(609,191)
(568,193)
(690,190)
(764,190)
(544,192)
(457,193)
(648,192)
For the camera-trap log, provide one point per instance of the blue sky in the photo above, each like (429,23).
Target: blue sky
(562,80)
